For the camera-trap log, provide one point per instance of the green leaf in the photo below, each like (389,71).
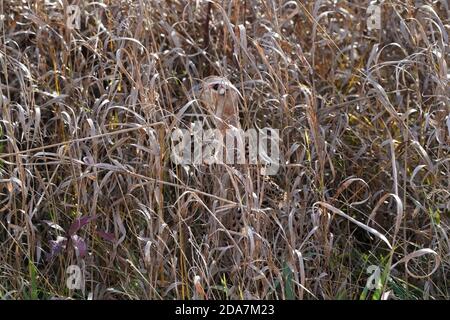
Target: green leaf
(33,285)
(288,282)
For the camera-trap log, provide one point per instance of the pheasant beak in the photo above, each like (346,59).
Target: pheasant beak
(221,91)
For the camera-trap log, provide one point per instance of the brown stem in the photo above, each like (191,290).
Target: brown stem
(206,25)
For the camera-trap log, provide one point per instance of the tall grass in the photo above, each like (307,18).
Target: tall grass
(85,123)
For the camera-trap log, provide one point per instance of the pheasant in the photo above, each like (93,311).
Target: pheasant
(220,98)
(221,102)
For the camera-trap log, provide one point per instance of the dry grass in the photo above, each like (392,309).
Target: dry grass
(85,123)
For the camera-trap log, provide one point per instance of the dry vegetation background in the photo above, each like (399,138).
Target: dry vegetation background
(86,176)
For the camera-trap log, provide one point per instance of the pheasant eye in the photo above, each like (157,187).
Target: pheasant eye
(215,86)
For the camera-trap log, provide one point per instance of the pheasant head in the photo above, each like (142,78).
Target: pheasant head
(221,99)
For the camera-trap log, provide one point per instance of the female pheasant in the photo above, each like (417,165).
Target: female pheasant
(220,98)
